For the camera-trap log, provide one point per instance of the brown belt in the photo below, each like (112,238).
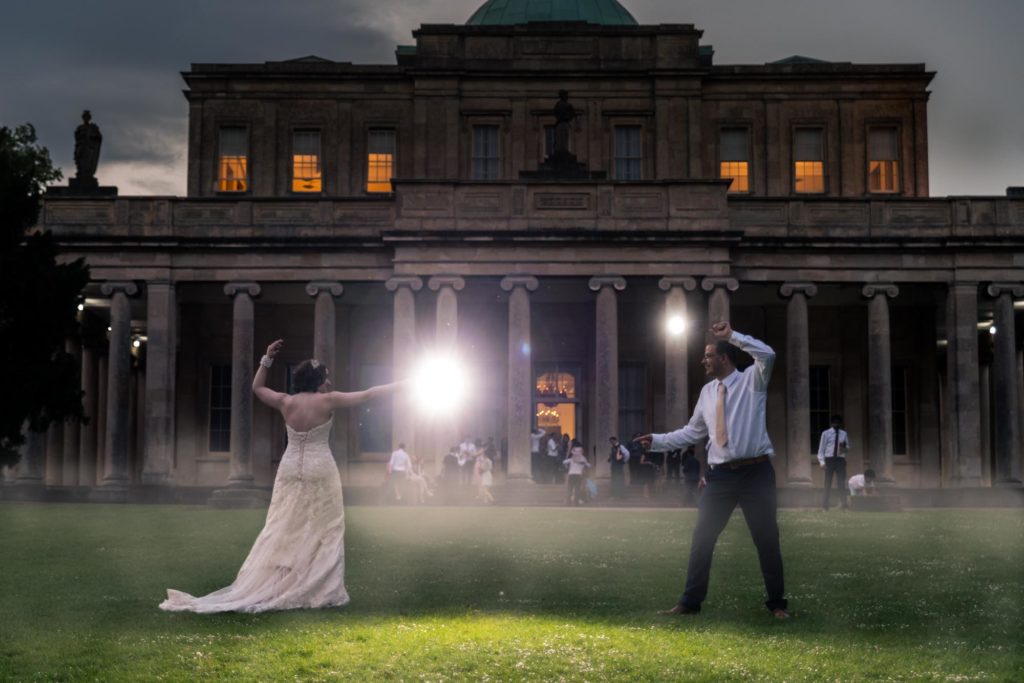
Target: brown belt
(742,462)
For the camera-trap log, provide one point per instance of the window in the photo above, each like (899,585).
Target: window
(233,159)
(627,153)
(220,408)
(899,411)
(632,401)
(556,403)
(820,403)
(883,160)
(808,160)
(734,158)
(306,161)
(380,160)
(375,416)
(485,153)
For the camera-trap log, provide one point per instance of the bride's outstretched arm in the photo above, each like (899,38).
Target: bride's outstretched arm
(342,399)
(274,399)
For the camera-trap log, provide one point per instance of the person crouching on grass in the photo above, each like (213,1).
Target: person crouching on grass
(577,464)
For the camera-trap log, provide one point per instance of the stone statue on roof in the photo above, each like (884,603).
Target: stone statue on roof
(87,147)
(564,114)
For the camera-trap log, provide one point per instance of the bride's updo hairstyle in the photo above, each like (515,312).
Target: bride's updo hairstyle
(309,375)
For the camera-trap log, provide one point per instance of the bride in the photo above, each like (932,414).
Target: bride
(298,560)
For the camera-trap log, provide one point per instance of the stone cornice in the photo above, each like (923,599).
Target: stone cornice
(788,289)
(250,288)
(600,281)
(667,283)
(334,288)
(454,281)
(710,283)
(1015,289)
(110,288)
(886,288)
(528,282)
(411,281)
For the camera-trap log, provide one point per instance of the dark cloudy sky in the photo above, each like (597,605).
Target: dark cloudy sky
(122,58)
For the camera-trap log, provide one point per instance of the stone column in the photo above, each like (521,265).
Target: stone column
(403,423)
(606,353)
(117,432)
(964,418)
(87,434)
(798,389)
(72,428)
(677,380)
(242,370)
(29,478)
(520,377)
(880,380)
(718,299)
(446,431)
(1007,425)
(161,355)
(101,418)
(324,318)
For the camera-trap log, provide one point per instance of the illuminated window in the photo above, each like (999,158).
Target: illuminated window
(220,408)
(808,160)
(306,175)
(555,402)
(734,159)
(380,160)
(485,152)
(233,159)
(883,160)
(627,153)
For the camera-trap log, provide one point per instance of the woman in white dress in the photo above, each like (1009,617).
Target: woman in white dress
(298,560)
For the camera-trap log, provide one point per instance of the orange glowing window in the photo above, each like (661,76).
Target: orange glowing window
(306,174)
(883,160)
(380,160)
(808,160)
(233,160)
(734,158)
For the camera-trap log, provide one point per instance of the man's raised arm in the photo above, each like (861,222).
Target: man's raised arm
(763,355)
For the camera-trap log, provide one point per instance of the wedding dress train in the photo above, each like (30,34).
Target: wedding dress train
(298,560)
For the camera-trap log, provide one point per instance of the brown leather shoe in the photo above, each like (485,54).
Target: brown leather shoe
(678,610)
(780,613)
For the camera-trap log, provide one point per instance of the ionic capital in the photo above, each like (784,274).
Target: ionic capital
(710,283)
(438,281)
(808,289)
(334,288)
(886,288)
(1014,289)
(250,288)
(411,281)
(128,288)
(601,281)
(667,283)
(528,282)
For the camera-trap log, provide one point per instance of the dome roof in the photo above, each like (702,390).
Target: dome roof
(506,12)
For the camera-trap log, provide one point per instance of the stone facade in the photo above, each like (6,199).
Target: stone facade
(878,303)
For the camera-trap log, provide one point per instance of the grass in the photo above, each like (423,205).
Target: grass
(538,594)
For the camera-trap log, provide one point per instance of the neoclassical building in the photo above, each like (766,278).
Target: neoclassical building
(369,213)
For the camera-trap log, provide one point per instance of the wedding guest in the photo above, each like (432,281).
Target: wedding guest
(862,484)
(484,465)
(398,471)
(618,456)
(577,464)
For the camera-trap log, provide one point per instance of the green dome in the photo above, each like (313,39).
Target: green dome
(506,12)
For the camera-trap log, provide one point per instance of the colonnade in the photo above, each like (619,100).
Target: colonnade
(105,380)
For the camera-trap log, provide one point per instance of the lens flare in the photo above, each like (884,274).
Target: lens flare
(676,325)
(439,384)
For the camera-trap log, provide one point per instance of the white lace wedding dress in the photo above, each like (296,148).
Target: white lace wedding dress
(298,560)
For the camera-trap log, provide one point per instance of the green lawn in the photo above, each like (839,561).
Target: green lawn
(442,594)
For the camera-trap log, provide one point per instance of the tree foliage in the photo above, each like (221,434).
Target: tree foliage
(38,300)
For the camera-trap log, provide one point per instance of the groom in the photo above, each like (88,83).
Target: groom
(731,408)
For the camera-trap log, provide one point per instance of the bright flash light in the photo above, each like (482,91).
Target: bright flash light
(439,384)
(992,330)
(676,325)
(136,343)
(81,307)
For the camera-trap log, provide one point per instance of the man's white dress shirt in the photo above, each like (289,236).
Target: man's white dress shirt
(400,462)
(745,401)
(827,445)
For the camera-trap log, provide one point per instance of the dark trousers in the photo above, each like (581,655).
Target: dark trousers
(837,467)
(618,479)
(753,488)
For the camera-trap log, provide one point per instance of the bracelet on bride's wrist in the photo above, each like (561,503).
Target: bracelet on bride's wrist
(266,361)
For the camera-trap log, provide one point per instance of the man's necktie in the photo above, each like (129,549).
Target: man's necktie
(835,448)
(721,433)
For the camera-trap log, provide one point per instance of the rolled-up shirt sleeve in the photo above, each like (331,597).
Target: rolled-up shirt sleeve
(763,355)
